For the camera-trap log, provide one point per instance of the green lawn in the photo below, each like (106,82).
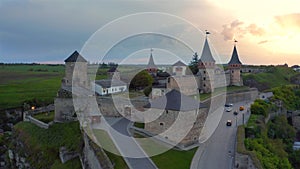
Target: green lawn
(139,125)
(172,158)
(45,117)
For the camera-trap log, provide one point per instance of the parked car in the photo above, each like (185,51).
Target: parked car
(229,123)
(235,113)
(242,108)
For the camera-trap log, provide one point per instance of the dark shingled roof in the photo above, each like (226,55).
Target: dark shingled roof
(75,57)
(109,82)
(206,53)
(174,100)
(235,57)
(151,63)
(179,63)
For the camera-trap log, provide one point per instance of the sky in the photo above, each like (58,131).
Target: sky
(268,32)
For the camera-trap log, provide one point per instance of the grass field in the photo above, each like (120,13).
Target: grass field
(45,117)
(273,77)
(42,145)
(21,83)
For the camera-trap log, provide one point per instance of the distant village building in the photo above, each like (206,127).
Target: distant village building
(179,69)
(167,109)
(109,86)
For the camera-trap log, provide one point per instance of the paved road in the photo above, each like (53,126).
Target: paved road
(129,147)
(218,151)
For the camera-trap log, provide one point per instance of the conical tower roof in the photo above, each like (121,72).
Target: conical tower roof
(151,62)
(235,57)
(206,55)
(75,57)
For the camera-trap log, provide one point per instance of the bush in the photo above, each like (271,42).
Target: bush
(260,107)
(147,90)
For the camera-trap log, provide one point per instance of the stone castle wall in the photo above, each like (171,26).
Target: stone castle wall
(166,120)
(64,110)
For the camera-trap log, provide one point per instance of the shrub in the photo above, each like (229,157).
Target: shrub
(147,90)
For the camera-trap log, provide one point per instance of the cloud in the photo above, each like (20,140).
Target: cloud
(263,41)
(229,30)
(289,20)
(238,29)
(255,30)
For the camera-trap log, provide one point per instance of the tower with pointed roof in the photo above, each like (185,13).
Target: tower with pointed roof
(234,67)
(151,67)
(76,71)
(206,67)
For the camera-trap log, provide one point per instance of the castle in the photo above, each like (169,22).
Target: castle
(166,88)
(209,77)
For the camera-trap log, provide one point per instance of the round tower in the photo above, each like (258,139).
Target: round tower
(234,67)
(206,67)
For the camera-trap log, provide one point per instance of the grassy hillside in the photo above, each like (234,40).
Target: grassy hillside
(42,146)
(273,77)
(20,83)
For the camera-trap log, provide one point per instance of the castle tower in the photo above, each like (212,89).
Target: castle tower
(78,73)
(151,67)
(234,66)
(206,67)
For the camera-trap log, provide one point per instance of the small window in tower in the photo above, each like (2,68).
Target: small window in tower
(161,124)
(204,71)
(167,111)
(204,78)
(204,85)
(232,71)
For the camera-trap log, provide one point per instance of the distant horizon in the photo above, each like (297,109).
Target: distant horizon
(133,64)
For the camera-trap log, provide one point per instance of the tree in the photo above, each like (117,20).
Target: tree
(260,107)
(147,90)
(194,64)
(141,80)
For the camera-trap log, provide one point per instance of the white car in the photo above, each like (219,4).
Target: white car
(228,107)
